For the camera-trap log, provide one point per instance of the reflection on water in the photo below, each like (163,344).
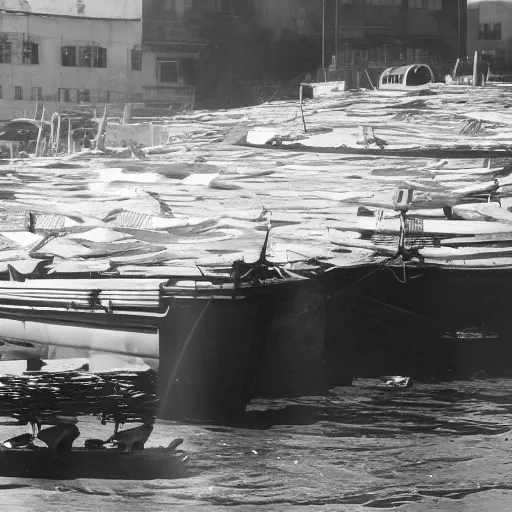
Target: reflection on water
(428,447)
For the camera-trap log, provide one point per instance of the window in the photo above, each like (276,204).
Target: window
(168,72)
(1,94)
(64,95)
(102,57)
(92,56)
(431,5)
(30,53)
(220,6)
(37,93)
(379,2)
(68,55)
(170,7)
(5,52)
(137,60)
(85,96)
(18,92)
(86,56)
(490,31)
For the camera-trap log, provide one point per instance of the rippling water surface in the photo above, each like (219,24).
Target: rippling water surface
(442,446)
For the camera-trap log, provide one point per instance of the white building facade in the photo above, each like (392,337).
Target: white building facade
(70,58)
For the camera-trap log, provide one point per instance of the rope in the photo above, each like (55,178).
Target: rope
(380,267)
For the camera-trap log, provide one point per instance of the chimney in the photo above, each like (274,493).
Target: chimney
(24,5)
(80,6)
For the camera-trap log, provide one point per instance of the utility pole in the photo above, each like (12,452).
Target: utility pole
(323,39)
(458,30)
(336,35)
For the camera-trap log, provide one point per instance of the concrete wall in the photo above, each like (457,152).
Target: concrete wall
(119,37)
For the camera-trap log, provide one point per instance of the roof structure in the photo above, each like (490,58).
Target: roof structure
(117,9)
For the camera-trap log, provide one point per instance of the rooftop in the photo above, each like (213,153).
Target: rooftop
(89,9)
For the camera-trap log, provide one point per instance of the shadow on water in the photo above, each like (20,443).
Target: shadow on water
(369,500)
(381,412)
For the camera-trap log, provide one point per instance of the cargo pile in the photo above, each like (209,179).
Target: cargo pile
(201,200)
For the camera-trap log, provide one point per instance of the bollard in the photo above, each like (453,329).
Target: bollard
(70,147)
(127,115)
(152,134)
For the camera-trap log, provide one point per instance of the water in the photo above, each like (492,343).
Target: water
(439,446)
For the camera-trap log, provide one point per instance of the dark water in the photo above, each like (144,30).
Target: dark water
(444,446)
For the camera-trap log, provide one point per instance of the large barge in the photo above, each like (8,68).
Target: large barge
(215,340)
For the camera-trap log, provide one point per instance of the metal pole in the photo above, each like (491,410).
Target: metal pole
(458,29)
(336,36)
(323,38)
(475,69)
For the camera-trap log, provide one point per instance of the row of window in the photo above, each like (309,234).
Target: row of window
(225,7)
(28,53)
(393,79)
(71,56)
(36,93)
(490,31)
(84,56)
(65,95)
(94,57)
(431,5)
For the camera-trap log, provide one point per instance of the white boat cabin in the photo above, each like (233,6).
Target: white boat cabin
(405,78)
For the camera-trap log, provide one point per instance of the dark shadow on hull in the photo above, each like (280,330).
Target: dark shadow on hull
(216,354)
(442,323)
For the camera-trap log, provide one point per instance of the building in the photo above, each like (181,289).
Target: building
(92,8)
(490,33)
(198,47)
(398,31)
(170,45)
(69,58)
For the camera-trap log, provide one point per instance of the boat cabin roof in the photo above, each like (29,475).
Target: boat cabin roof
(412,75)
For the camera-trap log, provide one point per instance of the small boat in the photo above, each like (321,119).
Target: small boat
(102,463)
(50,454)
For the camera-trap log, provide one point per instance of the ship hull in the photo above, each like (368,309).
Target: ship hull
(215,355)
(213,349)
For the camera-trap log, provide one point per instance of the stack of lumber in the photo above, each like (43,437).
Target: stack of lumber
(198,202)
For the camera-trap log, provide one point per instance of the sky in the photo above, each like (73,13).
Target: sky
(94,8)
